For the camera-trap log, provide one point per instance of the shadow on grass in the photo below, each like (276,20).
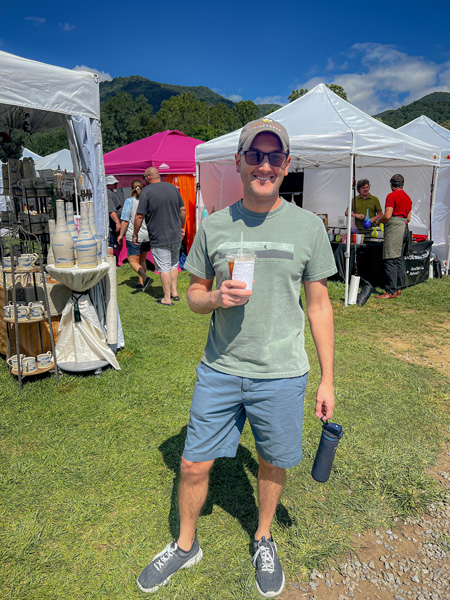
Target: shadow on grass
(229,487)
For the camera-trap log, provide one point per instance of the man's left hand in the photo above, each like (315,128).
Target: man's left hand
(325,401)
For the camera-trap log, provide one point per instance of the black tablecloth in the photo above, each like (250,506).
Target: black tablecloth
(367,262)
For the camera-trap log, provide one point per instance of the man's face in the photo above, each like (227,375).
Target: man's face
(262,182)
(364,191)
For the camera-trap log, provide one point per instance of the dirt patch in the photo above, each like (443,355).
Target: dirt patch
(432,350)
(411,560)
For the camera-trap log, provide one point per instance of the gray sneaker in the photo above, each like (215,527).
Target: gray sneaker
(166,563)
(269,574)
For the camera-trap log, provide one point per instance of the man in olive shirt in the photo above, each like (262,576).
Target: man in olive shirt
(254,365)
(365,201)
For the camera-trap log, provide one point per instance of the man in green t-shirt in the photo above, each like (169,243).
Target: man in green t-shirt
(254,365)
(365,201)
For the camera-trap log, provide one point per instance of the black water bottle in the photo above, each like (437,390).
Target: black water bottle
(331,434)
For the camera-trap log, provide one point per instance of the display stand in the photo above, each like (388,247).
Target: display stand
(15,243)
(81,345)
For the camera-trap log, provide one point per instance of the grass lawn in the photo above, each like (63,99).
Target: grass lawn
(89,467)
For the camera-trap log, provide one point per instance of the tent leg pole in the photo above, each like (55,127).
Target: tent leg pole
(349,229)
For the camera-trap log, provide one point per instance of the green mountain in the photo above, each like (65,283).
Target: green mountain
(156,92)
(436,106)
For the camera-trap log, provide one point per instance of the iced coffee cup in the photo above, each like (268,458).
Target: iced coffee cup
(241,265)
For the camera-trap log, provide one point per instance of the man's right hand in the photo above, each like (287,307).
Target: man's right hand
(233,293)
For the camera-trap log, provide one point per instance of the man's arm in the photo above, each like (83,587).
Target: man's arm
(116,219)
(374,220)
(183,215)
(320,317)
(203,299)
(386,216)
(137,224)
(123,229)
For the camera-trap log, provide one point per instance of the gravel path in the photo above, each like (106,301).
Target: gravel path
(411,561)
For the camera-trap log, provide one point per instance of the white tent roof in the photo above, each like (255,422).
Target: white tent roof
(427,130)
(46,91)
(61,158)
(29,154)
(324,130)
(430,132)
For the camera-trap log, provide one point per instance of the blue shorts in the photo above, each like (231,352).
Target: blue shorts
(221,403)
(136,249)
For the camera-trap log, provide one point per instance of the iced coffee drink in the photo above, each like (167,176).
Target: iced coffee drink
(241,264)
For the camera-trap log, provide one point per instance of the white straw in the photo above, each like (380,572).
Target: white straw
(242,241)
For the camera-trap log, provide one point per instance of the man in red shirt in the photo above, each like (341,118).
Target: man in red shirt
(397,215)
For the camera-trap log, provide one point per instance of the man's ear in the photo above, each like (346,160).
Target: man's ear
(237,158)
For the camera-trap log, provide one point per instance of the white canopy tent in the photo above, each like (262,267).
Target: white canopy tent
(61,159)
(332,142)
(428,131)
(53,97)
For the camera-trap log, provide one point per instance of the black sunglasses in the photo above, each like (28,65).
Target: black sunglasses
(255,157)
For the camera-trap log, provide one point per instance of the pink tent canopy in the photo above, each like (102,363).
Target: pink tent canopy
(169,151)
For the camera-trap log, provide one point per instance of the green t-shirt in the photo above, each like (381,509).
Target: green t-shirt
(264,338)
(361,205)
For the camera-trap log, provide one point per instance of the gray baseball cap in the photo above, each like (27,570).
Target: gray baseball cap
(264,125)
(110,180)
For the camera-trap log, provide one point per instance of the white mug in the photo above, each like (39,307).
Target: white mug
(29,364)
(27,261)
(9,310)
(23,313)
(44,360)
(7,262)
(12,361)
(36,309)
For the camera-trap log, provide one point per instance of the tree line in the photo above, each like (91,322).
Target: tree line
(125,120)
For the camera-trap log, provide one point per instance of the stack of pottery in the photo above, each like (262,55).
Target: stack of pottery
(68,246)
(62,243)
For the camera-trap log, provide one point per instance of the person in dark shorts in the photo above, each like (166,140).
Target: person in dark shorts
(114,211)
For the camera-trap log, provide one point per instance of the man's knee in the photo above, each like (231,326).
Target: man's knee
(195,471)
(268,468)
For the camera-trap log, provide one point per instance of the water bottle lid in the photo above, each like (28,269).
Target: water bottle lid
(332,428)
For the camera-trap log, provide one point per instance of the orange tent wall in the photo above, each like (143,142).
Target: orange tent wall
(186,186)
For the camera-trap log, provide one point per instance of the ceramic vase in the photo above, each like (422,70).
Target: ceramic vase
(51,231)
(86,244)
(62,242)
(94,231)
(71,222)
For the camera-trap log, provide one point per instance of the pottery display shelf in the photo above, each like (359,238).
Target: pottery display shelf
(37,371)
(81,345)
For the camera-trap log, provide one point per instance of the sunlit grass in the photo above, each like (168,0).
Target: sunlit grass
(89,468)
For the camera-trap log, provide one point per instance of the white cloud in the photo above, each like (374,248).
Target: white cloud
(101,74)
(270,100)
(66,26)
(383,77)
(36,20)
(233,97)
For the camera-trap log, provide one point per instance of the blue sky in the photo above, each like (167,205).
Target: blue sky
(385,54)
